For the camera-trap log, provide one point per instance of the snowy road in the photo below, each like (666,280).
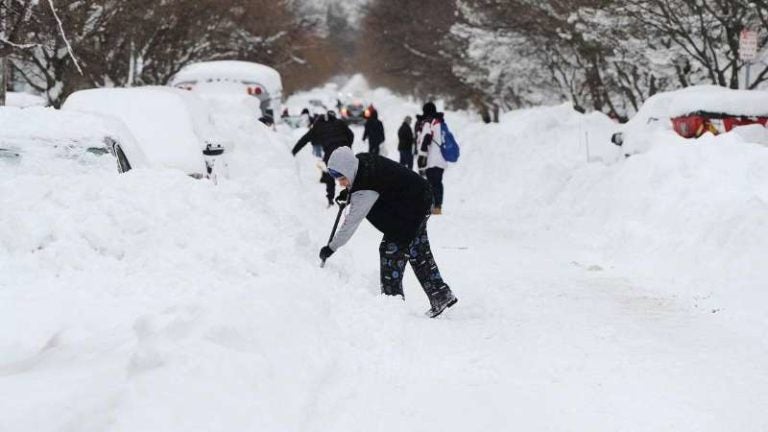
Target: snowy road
(153,302)
(547,344)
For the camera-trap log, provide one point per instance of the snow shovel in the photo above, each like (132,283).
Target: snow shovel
(335,225)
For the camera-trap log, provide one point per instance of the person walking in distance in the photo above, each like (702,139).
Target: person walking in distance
(396,201)
(374,132)
(330,133)
(430,159)
(405,143)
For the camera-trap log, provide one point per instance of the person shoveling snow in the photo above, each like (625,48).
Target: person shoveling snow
(398,202)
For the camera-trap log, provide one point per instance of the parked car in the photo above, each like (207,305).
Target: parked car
(156,127)
(690,113)
(34,134)
(234,77)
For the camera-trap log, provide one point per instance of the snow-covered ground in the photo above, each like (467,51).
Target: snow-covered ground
(23,100)
(595,293)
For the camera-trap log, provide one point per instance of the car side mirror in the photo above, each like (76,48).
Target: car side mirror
(618,138)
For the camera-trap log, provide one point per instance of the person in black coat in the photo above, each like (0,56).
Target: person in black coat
(398,202)
(330,133)
(405,143)
(374,132)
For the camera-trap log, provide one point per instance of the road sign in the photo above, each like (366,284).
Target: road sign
(748,45)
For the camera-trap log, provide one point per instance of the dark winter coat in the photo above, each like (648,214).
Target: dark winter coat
(405,138)
(330,133)
(405,198)
(374,130)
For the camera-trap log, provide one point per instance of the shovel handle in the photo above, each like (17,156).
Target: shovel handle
(333,231)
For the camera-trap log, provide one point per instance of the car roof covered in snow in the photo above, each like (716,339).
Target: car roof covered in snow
(231,69)
(706,98)
(169,126)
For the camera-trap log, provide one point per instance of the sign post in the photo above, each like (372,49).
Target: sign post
(748,50)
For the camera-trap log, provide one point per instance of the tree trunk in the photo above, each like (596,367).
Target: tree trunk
(3,78)
(3,59)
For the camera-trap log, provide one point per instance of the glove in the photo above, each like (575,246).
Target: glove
(422,162)
(343,198)
(325,253)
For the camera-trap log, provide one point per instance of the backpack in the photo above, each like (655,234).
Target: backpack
(449,148)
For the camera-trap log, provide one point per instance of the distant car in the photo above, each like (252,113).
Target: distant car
(234,77)
(355,113)
(690,113)
(155,127)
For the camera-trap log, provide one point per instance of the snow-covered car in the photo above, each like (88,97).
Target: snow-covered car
(38,130)
(255,80)
(689,113)
(155,127)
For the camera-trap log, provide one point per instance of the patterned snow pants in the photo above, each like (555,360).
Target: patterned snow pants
(393,257)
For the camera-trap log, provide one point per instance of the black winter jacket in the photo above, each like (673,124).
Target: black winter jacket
(405,198)
(374,131)
(330,134)
(405,138)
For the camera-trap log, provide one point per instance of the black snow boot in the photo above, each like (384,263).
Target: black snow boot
(441,301)
(392,291)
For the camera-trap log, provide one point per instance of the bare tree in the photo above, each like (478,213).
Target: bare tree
(127,42)
(14,15)
(607,54)
(405,45)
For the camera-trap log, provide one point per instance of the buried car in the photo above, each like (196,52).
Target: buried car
(155,127)
(40,139)
(232,77)
(690,113)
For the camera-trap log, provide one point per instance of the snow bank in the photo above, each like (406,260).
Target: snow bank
(23,100)
(124,284)
(693,210)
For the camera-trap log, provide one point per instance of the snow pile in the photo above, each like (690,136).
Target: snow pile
(693,210)
(128,284)
(23,100)
(521,165)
